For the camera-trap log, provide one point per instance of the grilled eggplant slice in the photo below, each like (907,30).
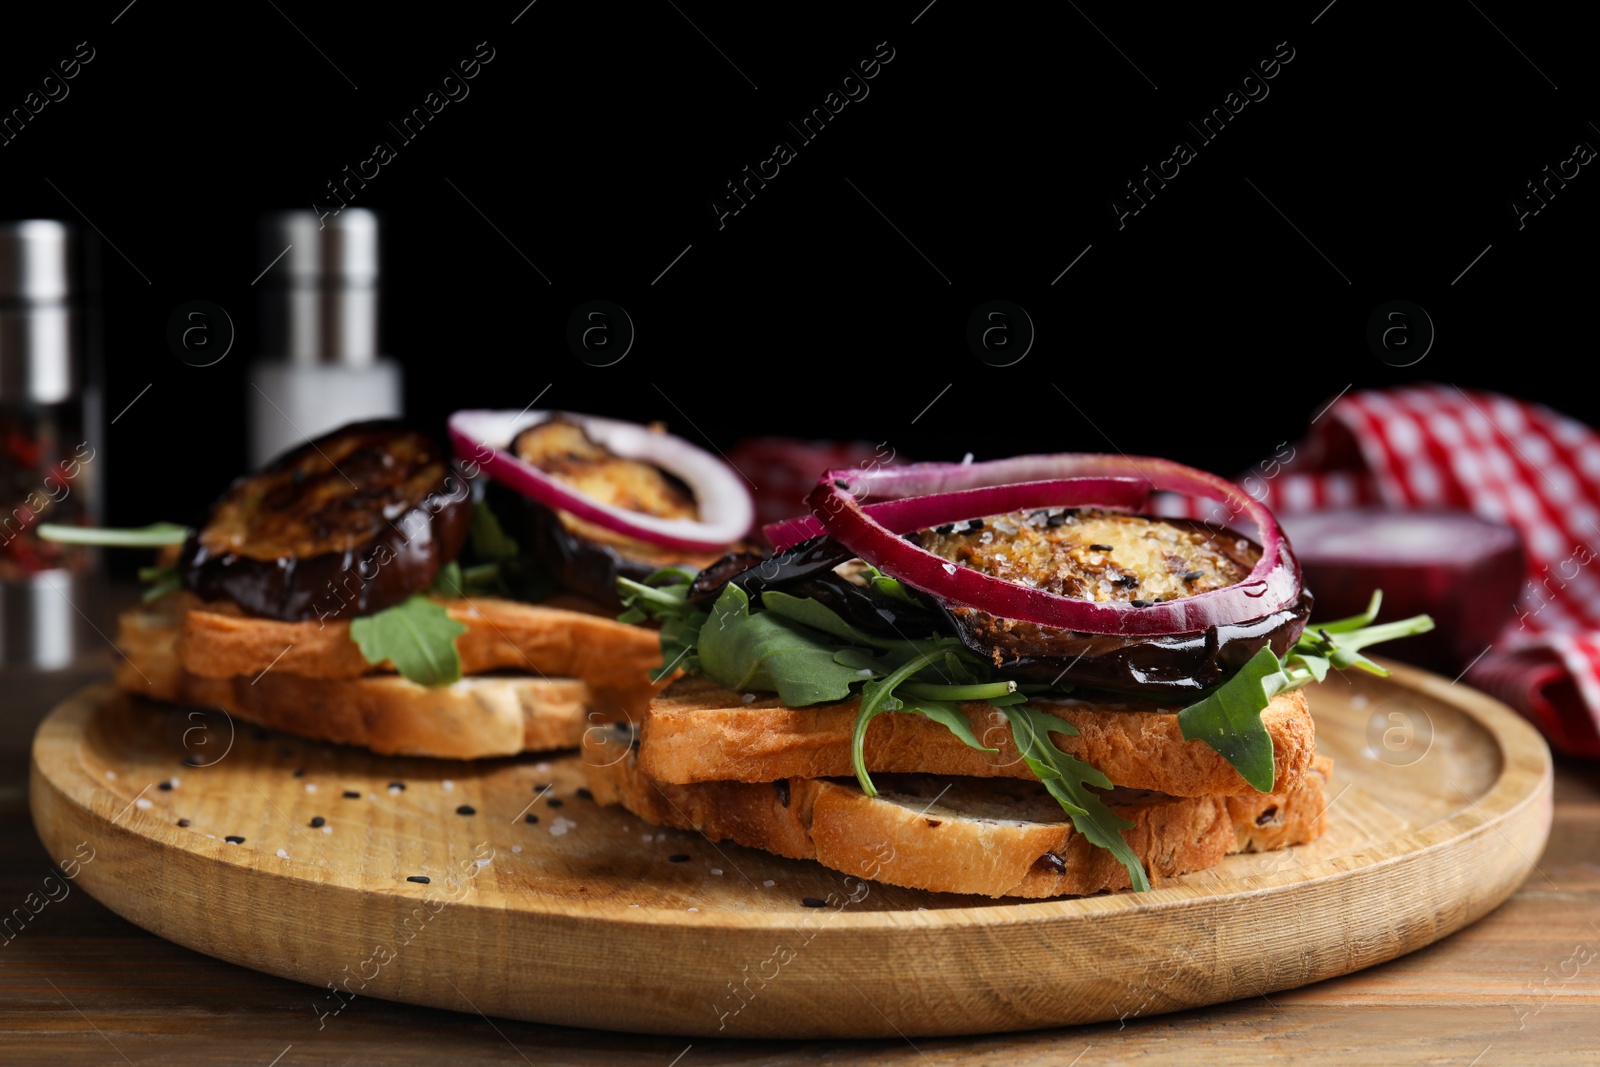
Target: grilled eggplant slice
(346,525)
(581,556)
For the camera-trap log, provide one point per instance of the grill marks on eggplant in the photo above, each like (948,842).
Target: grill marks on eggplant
(585,558)
(346,525)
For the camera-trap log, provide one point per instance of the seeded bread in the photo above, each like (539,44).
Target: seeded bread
(697,731)
(993,837)
(476,717)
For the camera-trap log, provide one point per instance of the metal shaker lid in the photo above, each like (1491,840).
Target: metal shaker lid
(323,306)
(39,325)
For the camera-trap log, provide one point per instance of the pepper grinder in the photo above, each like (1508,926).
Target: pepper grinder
(321,367)
(49,471)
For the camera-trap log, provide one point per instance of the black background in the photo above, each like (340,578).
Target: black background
(1206,328)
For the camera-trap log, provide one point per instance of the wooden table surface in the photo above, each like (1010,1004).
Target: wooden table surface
(79,985)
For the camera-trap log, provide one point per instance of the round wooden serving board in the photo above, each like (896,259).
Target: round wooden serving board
(589,917)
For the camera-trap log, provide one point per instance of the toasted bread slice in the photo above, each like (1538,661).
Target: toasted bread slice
(697,731)
(994,837)
(612,658)
(477,717)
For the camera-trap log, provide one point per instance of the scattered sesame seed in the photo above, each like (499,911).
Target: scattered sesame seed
(769,883)
(283,854)
(234,839)
(813,902)
(716,870)
(1141,603)
(585,794)
(749,698)
(542,786)
(679,858)
(560,826)
(189,761)
(554,802)
(531,820)
(397,787)
(111,775)
(141,803)
(948,527)
(541,767)
(318,822)
(420,879)
(447,785)
(300,772)
(183,822)
(694,909)
(1193,576)
(327,829)
(311,787)
(466,809)
(516,848)
(484,862)
(633,905)
(841,483)
(165,787)
(351,794)
(1099,548)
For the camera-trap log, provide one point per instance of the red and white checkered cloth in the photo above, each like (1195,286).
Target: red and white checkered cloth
(1507,460)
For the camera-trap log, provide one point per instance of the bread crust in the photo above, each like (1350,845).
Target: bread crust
(477,717)
(991,837)
(613,658)
(697,731)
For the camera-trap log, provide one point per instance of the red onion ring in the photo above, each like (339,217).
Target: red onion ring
(726,509)
(1273,584)
(916,513)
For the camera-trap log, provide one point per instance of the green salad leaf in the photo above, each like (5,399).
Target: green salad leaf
(417,635)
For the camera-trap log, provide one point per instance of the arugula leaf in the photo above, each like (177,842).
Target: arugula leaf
(893,588)
(155,535)
(163,580)
(417,635)
(742,650)
(819,616)
(1229,720)
(1067,779)
(488,538)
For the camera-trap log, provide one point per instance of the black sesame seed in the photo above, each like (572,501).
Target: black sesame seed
(1127,581)
(554,802)
(1099,548)
(1035,516)
(466,809)
(813,902)
(420,879)
(531,820)
(584,793)
(193,761)
(300,772)
(974,524)
(1266,816)
(165,787)
(317,822)
(841,483)
(948,527)
(397,785)
(351,794)
(183,822)
(1141,603)
(541,787)
(1193,576)
(679,858)
(234,839)
(935,822)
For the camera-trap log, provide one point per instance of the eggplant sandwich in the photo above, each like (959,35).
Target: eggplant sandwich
(360,590)
(1008,678)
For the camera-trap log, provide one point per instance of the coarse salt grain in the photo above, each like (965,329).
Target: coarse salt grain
(283,855)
